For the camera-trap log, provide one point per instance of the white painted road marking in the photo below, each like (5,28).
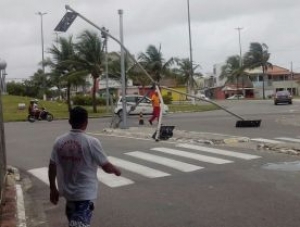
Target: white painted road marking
(219,151)
(136,168)
(41,174)
(21,216)
(181,166)
(112,180)
(107,179)
(288,139)
(266,140)
(185,154)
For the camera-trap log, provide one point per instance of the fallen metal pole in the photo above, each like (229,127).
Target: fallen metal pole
(205,100)
(124,48)
(146,73)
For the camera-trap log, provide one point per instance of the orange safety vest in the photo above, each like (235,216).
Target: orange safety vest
(155,100)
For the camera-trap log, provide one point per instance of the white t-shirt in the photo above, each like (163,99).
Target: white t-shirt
(35,107)
(77,157)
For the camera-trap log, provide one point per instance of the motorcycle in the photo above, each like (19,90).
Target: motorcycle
(44,115)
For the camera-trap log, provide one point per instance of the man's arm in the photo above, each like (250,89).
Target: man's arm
(110,168)
(54,194)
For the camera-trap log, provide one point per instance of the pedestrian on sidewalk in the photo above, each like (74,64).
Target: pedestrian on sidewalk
(156,107)
(74,161)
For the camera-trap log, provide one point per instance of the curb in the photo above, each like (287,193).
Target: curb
(178,136)
(13,208)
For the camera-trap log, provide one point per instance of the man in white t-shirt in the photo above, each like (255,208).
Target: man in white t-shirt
(75,159)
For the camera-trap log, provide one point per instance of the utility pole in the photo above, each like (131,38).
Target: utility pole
(240,47)
(43,52)
(124,112)
(190,80)
(104,36)
(292,74)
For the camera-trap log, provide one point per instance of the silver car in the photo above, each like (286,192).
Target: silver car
(145,106)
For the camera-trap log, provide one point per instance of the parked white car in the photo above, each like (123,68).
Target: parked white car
(202,96)
(235,96)
(145,106)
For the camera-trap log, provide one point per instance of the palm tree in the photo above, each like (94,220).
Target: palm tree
(232,70)
(258,55)
(184,72)
(154,63)
(114,66)
(89,59)
(39,81)
(62,71)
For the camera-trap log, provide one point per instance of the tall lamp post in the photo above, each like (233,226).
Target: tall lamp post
(104,36)
(2,76)
(43,57)
(2,136)
(124,112)
(240,47)
(191,52)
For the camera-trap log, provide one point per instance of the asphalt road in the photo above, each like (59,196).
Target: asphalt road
(277,121)
(239,193)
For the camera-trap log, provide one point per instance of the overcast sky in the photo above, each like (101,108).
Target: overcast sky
(157,22)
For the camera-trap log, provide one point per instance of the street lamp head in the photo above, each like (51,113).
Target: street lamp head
(40,13)
(4,72)
(67,7)
(2,64)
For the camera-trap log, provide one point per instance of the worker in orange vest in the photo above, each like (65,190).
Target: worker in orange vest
(156,107)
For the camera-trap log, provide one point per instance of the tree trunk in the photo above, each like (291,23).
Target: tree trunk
(237,86)
(187,90)
(263,76)
(69,97)
(94,94)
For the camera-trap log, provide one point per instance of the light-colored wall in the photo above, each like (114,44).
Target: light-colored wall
(175,96)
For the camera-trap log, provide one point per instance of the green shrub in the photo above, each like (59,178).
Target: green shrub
(87,100)
(167,99)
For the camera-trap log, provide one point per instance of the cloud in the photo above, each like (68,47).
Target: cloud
(213,23)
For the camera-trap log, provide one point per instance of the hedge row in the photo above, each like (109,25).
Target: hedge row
(87,101)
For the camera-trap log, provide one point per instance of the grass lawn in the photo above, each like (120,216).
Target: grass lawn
(60,110)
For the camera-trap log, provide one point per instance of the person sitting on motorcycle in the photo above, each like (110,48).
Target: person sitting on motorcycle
(33,109)
(42,113)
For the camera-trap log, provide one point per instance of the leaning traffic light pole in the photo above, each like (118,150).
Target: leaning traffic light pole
(70,17)
(67,21)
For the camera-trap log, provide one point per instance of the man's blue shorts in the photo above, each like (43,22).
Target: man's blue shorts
(79,213)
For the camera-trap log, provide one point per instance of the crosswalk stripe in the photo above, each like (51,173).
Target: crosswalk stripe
(41,174)
(218,151)
(112,180)
(107,179)
(136,168)
(185,154)
(181,166)
(265,140)
(288,139)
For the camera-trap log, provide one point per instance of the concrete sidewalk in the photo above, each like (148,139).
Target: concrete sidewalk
(12,212)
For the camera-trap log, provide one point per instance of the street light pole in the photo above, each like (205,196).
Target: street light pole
(124,112)
(240,46)
(292,78)
(43,52)
(239,31)
(2,133)
(104,36)
(42,38)
(191,52)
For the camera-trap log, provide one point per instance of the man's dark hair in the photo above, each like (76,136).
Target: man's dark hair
(78,117)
